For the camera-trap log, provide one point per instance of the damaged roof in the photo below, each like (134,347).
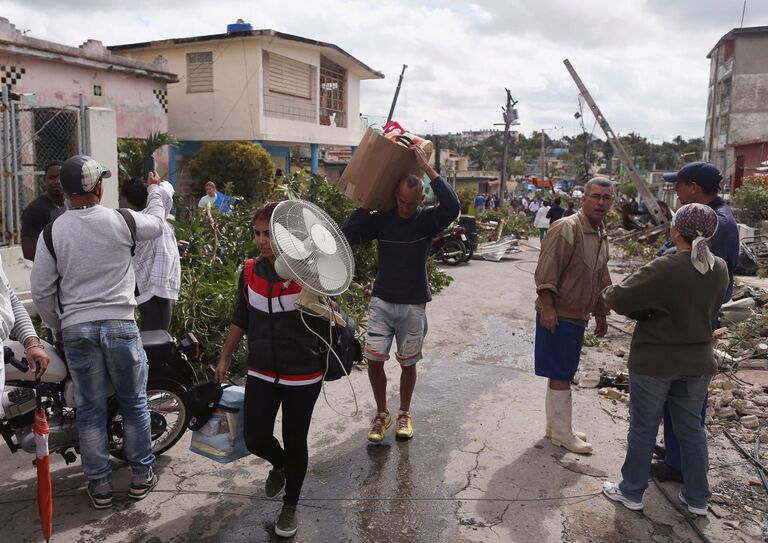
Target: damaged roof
(738,31)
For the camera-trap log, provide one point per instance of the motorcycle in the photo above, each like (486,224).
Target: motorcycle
(170,375)
(450,246)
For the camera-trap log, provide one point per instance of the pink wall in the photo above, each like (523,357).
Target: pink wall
(132,97)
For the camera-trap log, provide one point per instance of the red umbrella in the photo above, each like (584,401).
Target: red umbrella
(44,490)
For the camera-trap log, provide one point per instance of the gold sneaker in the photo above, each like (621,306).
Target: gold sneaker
(403,429)
(379,426)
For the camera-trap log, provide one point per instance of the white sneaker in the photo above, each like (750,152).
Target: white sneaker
(700,511)
(612,492)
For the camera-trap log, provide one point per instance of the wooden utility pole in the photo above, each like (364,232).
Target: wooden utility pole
(397,92)
(642,189)
(510,119)
(544,157)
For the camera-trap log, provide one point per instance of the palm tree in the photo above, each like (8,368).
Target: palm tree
(131,152)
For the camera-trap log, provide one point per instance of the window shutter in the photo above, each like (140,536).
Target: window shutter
(288,76)
(200,72)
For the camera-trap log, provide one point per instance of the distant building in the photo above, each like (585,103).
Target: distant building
(736,133)
(473,137)
(276,89)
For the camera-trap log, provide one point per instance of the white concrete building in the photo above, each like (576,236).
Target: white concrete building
(276,89)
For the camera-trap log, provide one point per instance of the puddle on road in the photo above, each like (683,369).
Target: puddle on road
(506,343)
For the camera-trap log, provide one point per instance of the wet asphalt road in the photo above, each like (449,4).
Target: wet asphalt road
(478,468)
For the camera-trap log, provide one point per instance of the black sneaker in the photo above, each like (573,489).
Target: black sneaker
(275,482)
(662,472)
(287,522)
(141,486)
(101,498)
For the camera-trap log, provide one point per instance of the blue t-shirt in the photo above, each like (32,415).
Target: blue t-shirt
(404,244)
(479,200)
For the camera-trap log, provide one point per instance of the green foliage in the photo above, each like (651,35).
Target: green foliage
(591,340)
(628,189)
(243,163)
(131,152)
(645,250)
(516,224)
(751,200)
(219,246)
(466,198)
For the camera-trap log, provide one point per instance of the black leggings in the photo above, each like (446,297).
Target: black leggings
(262,400)
(156,314)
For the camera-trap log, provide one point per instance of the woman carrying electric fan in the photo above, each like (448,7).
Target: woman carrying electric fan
(285,368)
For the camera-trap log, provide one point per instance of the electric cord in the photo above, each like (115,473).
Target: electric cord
(328,343)
(254,497)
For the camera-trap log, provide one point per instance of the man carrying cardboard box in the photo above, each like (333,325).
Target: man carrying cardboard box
(401,289)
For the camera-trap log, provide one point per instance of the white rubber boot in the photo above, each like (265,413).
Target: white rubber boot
(562,432)
(549,408)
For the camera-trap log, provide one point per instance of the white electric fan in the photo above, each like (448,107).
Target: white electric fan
(311,249)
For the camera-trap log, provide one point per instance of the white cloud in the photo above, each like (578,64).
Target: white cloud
(644,61)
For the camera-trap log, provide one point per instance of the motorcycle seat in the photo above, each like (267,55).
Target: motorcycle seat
(159,346)
(155,338)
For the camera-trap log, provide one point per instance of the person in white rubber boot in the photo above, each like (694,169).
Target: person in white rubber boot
(571,272)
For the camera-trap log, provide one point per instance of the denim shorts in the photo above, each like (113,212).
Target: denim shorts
(406,323)
(557,354)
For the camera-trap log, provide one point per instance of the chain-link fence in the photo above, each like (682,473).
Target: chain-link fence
(32,137)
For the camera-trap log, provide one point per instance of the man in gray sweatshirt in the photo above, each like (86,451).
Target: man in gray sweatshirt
(84,292)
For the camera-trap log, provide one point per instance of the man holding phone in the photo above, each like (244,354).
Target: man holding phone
(156,261)
(83,287)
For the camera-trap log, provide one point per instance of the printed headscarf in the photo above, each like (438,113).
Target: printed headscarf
(698,222)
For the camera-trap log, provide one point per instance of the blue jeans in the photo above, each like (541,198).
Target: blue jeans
(684,396)
(106,357)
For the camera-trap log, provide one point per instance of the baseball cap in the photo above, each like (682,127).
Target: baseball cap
(200,401)
(81,173)
(703,174)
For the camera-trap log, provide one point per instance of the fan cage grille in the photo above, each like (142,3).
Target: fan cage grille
(290,214)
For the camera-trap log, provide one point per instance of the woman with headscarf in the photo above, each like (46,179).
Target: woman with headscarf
(674,299)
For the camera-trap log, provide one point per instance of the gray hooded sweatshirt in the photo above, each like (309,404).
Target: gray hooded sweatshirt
(93,259)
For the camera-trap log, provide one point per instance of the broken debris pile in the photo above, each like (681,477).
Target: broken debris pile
(743,410)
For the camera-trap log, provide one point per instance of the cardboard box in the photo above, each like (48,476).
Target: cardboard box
(378,165)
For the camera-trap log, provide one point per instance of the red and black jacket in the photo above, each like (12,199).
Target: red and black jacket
(280,348)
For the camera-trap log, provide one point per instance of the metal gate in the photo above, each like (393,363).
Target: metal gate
(32,136)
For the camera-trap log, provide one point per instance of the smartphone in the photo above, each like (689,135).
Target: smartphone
(149,166)
(183,246)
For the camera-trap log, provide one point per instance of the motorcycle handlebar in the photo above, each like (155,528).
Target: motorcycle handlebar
(10,358)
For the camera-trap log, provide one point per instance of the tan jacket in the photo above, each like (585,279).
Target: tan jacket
(573,265)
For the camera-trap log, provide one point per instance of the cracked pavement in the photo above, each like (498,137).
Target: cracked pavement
(478,469)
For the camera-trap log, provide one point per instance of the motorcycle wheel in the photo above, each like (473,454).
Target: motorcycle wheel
(168,418)
(470,253)
(452,252)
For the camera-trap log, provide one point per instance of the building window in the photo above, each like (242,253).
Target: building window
(288,76)
(333,110)
(200,72)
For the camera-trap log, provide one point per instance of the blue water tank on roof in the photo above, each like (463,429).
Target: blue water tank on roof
(239,26)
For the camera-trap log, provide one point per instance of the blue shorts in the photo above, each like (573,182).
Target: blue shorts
(557,353)
(406,323)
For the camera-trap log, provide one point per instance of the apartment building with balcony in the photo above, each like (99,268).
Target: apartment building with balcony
(288,93)
(736,132)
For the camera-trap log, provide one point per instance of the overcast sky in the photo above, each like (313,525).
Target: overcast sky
(644,61)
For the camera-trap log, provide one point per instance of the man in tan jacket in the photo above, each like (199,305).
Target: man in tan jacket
(571,272)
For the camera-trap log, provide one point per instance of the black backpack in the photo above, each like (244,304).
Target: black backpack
(48,240)
(346,346)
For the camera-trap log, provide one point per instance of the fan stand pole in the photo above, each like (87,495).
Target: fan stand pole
(310,301)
